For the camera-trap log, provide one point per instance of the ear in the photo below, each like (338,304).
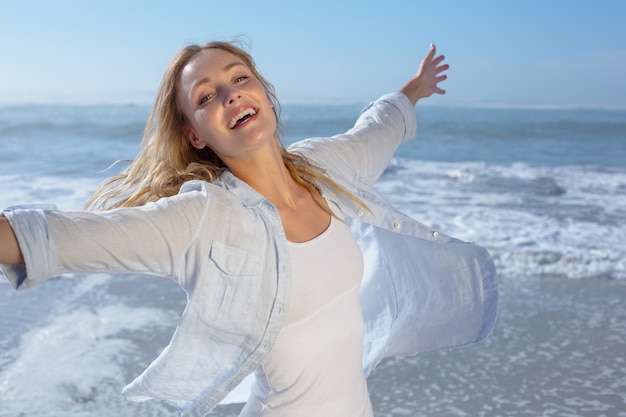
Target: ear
(193,139)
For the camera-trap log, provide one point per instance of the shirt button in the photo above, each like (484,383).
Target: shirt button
(435,235)
(359,213)
(396,225)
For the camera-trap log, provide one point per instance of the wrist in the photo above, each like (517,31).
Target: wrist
(413,90)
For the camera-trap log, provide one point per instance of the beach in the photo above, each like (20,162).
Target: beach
(557,350)
(544,190)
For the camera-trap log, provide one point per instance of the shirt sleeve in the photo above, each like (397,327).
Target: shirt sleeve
(149,239)
(368,147)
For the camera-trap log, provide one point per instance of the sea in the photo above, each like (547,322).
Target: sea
(542,188)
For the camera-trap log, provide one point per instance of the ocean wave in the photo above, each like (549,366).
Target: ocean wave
(545,221)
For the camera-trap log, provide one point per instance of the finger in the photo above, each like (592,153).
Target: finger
(439,59)
(442,68)
(431,52)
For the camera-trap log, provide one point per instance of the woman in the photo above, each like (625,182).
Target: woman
(296,269)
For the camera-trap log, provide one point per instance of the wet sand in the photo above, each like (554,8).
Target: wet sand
(558,349)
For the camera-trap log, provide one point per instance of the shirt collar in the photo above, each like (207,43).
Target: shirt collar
(248,195)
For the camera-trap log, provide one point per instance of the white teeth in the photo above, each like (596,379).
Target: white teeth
(240,116)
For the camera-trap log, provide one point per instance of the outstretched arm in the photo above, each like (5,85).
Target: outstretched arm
(426,79)
(10,252)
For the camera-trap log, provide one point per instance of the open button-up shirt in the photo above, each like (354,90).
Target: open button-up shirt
(225,245)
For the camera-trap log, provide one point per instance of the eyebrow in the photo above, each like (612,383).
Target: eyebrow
(208,79)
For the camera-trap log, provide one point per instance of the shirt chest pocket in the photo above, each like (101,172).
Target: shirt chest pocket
(235,276)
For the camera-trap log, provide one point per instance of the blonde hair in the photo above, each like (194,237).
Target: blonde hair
(167,160)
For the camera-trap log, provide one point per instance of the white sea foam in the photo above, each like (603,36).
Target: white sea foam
(536,220)
(65,193)
(81,353)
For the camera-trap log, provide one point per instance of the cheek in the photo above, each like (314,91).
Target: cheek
(206,121)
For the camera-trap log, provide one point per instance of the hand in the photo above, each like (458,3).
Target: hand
(10,252)
(427,79)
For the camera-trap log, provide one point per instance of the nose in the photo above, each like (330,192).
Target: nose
(232,95)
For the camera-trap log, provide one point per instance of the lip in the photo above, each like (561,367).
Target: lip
(238,111)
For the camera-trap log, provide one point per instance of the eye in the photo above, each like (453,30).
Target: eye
(240,79)
(206,98)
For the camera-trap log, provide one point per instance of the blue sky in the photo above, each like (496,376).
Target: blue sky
(561,53)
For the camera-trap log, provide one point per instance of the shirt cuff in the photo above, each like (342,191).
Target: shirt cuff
(402,103)
(31,230)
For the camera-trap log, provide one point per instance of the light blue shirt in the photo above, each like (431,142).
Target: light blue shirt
(225,245)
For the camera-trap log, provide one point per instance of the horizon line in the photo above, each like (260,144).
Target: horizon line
(464,104)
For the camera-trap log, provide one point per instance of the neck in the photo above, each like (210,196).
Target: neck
(269,176)
(302,216)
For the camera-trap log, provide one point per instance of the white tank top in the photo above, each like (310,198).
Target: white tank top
(315,367)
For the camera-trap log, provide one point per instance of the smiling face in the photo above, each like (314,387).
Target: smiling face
(227,108)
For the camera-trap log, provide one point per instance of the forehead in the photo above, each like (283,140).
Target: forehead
(207,63)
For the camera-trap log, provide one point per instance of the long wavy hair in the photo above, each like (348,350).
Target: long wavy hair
(167,159)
